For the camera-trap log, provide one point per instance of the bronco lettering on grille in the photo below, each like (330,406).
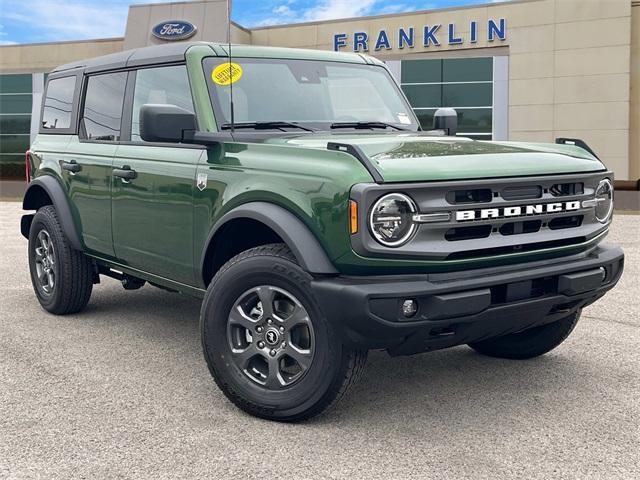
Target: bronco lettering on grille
(517,211)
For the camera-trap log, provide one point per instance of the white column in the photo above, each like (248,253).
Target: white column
(500,130)
(394,66)
(37,88)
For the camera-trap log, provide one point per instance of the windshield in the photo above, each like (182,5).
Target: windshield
(310,93)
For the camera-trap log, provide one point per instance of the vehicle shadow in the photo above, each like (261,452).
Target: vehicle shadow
(143,304)
(453,386)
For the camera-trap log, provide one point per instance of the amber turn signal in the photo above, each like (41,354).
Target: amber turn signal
(353,216)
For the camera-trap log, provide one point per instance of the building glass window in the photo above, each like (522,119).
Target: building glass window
(467,69)
(15,123)
(423,96)
(465,84)
(58,103)
(102,112)
(15,103)
(164,85)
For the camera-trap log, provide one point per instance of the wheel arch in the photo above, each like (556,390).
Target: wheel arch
(268,223)
(46,190)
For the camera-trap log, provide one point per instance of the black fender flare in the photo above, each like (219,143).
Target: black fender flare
(290,228)
(60,201)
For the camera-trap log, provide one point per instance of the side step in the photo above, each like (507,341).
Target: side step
(128,282)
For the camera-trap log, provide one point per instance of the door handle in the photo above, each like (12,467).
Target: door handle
(125,173)
(72,166)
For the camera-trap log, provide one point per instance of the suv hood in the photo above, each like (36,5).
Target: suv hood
(410,157)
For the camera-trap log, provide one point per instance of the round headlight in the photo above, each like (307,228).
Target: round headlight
(604,200)
(391,219)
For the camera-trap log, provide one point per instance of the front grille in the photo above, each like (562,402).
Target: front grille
(529,247)
(516,228)
(511,228)
(489,217)
(468,233)
(522,192)
(559,223)
(526,192)
(477,195)
(565,189)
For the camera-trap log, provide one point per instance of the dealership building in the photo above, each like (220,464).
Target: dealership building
(531,70)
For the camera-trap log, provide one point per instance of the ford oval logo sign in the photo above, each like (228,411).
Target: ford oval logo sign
(174,30)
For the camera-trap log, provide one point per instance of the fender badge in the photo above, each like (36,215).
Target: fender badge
(201,181)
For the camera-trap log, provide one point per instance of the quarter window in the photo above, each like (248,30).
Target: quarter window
(102,112)
(162,85)
(58,103)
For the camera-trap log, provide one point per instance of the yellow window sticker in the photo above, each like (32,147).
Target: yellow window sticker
(226,73)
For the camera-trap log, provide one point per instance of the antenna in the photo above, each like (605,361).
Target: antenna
(230,65)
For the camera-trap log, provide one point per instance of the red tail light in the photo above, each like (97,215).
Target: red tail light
(27,166)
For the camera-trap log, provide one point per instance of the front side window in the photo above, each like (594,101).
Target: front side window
(58,103)
(162,85)
(102,112)
(319,93)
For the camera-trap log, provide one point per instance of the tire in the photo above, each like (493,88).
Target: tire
(273,386)
(66,287)
(529,343)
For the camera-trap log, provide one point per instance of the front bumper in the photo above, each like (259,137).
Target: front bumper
(468,306)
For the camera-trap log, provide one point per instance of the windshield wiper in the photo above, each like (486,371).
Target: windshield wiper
(366,125)
(267,126)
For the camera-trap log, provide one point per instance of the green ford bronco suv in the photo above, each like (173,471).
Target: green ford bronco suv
(296,194)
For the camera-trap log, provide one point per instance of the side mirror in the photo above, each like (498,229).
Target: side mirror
(165,123)
(446,119)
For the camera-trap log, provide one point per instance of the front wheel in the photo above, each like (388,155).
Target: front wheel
(529,343)
(266,341)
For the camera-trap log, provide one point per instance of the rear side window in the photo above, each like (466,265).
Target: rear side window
(163,85)
(102,111)
(58,103)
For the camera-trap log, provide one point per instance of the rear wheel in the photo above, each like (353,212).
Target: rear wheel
(529,343)
(266,342)
(61,276)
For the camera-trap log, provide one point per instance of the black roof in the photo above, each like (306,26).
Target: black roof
(173,52)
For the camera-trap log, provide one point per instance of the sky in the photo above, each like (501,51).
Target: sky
(31,21)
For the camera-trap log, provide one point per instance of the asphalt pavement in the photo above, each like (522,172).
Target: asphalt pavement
(122,391)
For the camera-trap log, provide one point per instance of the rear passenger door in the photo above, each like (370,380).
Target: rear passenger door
(152,212)
(89,158)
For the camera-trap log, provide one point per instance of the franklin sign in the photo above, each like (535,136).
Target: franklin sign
(427,36)
(174,30)
(525,210)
